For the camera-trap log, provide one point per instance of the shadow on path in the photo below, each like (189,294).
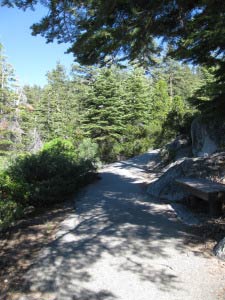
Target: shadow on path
(115,230)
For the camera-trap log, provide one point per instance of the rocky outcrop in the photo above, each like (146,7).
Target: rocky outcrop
(178,148)
(219,249)
(164,187)
(208,136)
(212,167)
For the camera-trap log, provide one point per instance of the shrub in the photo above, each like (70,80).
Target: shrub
(48,177)
(9,211)
(87,150)
(3,162)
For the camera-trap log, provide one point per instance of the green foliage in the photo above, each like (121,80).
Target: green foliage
(9,212)
(4,160)
(117,112)
(124,112)
(58,113)
(100,30)
(29,118)
(87,150)
(109,113)
(208,90)
(104,111)
(161,101)
(137,96)
(48,177)
(59,147)
(177,121)
(9,99)
(181,80)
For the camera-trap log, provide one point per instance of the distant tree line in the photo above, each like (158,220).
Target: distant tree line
(123,111)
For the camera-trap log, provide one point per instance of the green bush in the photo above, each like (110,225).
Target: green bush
(9,211)
(87,150)
(3,162)
(175,124)
(48,177)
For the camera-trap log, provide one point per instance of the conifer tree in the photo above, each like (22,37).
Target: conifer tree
(181,80)
(30,118)
(138,97)
(138,105)
(58,106)
(104,112)
(162,102)
(10,98)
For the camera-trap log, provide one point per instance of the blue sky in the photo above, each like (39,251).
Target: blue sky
(30,56)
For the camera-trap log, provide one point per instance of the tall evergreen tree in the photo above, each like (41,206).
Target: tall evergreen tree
(30,118)
(181,80)
(138,97)
(10,99)
(138,105)
(58,107)
(162,101)
(104,112)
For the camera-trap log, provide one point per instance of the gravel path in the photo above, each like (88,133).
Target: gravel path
(119,245)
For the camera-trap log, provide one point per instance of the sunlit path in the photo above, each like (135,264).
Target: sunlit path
(120,245)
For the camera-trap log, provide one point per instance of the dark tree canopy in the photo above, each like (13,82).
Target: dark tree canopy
(98,30)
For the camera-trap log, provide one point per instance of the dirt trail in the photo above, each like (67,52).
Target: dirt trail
(120,245)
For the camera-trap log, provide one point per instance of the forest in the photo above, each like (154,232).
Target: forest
(53,137)
(112,173)
(143,72)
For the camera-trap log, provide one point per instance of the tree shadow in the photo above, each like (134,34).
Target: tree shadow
(21,242)
(114,223)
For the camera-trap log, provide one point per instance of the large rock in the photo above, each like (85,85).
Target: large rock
(178,148)
(212,167)
(164,187)
(219,249)
(208,136)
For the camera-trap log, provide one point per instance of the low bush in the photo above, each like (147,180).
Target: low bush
(45,178)
(9,211)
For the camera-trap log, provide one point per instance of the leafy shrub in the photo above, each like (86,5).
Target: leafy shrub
(136,140)
(3,162)
(87,150)
(47,177)
(60,146)
(9,211)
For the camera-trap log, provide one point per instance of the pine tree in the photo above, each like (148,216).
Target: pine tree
(162,102)
(30,118)
(138,105)
(181,80)
(138,97)
(104,112)
(10,99)
(58,111)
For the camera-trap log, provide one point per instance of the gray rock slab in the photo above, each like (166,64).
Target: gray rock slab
(207,136)
(120,245)
(164,187)
(219,249)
